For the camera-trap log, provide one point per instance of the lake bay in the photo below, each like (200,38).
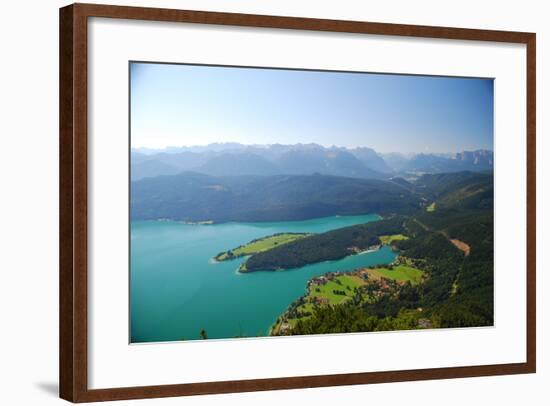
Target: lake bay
(176,289)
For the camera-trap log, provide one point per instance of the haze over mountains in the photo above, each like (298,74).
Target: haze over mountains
(233,159)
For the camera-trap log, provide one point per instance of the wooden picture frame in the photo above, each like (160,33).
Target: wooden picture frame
(73,209)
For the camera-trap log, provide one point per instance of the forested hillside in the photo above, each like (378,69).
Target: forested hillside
(196,197)
(452,244)
(191,196)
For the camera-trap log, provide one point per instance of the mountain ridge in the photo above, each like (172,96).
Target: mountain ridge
(196,197)
(235,159)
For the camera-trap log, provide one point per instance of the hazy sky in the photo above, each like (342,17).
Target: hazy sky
(184,105)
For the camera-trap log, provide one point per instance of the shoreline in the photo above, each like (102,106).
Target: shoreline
(213,222)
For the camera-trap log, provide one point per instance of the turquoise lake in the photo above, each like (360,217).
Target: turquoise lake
(176,289)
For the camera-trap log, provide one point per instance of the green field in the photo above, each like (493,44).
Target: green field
(431,207)
(260,245)
(401,273)
(344,283)
(388,239)
(341,289)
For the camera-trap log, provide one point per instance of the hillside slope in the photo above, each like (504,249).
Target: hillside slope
(197,197)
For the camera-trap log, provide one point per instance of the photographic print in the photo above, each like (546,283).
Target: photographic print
(281,202)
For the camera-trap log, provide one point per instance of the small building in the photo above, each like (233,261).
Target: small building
(424,323)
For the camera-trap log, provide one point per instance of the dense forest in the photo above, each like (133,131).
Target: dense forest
(197,197)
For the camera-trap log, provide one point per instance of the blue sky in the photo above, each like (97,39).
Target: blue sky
(185,105)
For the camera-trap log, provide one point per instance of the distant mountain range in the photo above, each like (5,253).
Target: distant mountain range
(479,161)
(233,159)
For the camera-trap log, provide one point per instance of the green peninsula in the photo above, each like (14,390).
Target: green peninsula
(328,246)
(260,245)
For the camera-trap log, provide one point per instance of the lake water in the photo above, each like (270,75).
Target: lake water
(176,289)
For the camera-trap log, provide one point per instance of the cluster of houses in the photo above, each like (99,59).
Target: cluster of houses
(363,273)
(384,285)
(323,279)
(284,328)
(317,281)
(319,300)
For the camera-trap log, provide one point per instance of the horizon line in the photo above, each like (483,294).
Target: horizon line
(164,148)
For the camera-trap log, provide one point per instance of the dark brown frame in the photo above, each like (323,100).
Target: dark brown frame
(73,360)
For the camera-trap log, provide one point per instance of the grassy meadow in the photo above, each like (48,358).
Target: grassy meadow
(260,245)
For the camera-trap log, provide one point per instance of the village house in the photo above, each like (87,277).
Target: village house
(424,323)
(284,328)
(319,300)
(320,280)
